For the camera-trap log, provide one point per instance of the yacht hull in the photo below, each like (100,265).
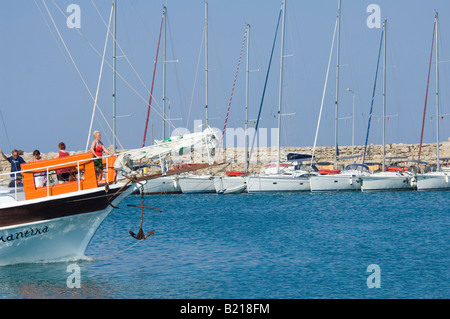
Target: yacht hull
(433,181)
(335,183)
(54,228)
(230,185)
(161,185)
(386,182)
(196,184)
(280,183)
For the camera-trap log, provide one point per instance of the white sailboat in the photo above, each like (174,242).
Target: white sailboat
(347,180)
(438,179)
(281,180)
(164,184)
(236,182)
(191,183)
(286,180)
(386,180)
(350,178)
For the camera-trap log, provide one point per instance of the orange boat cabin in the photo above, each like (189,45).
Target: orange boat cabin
(39,178)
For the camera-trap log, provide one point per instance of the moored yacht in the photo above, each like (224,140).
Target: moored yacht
(347,180)
(387,181)
(438,180)
(196,184)
(292,176)
(433,181)
(234,182)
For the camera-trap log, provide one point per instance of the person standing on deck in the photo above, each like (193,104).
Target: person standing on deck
(63,174)
(97,149)
(15,161)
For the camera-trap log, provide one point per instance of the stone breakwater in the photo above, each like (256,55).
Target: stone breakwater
(408,153)
(234,157)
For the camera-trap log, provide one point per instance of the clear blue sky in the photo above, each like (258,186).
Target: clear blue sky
(43,101)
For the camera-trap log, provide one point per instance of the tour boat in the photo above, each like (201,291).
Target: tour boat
(56,221)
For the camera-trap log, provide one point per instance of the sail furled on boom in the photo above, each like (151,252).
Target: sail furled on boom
(201,143)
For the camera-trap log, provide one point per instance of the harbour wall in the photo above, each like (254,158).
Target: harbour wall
(404,154)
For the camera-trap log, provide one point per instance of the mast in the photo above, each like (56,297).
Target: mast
(426,92)
(336,117)
(114,77)
(384,97)
(280,97)
(206,63)
(438,167)
(164,76)
(246,101)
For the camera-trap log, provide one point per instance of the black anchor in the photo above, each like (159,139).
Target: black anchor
(140,235)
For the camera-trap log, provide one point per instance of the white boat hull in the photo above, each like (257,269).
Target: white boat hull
(230,184)
(54,239)
(58,239)
(386,182)
(161,185)
(196,184)
(277,183)
(433,181)
(335,183)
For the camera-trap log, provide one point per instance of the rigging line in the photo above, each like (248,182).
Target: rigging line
(265,86)
(99,78)
(174,68)
(373,98)
(122,51)
(323,93)
(61,50)
(71,58)
(110,66)
(6,131)
(426,95)
(67,50)
(195,78)
(153,37)
(153,82)
(121,251)
(143,22)
(232,90)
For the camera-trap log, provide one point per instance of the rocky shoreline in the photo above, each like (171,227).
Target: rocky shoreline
(234,157)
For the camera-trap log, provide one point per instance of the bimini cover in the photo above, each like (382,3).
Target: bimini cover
(298,157)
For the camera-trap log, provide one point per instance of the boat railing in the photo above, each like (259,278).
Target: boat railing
(49,171)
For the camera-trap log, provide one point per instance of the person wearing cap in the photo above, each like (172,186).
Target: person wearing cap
(15,161)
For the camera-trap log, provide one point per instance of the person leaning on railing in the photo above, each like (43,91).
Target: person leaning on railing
(15,161)
(97,149)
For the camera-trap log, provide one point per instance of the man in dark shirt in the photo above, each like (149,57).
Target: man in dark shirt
(15,161)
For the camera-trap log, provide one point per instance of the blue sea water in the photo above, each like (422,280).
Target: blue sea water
(268,246)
